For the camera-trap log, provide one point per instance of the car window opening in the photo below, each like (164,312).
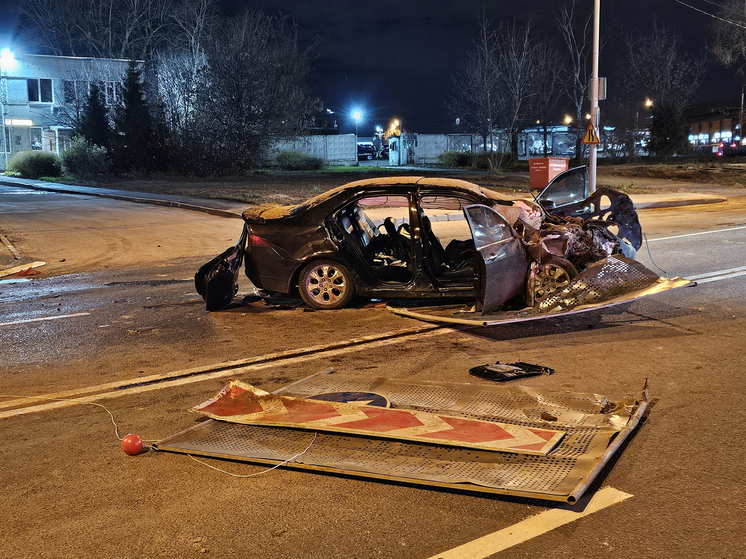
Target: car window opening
(447,239)
(379,227)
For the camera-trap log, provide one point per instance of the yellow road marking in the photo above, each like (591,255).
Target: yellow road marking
(534,526)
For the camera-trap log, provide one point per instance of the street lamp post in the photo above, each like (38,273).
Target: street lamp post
(594,94)
(357,116)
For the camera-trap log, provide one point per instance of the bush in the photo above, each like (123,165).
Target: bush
(84,160)
(32,164)
(455,159)
(297,161)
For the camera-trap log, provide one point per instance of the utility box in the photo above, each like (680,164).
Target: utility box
(541,170)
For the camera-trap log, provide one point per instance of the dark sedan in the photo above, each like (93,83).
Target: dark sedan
(411,237)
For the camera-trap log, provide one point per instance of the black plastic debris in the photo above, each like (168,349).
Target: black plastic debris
(501,372)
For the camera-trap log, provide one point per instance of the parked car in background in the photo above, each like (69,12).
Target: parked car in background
(366,150)
(414,237)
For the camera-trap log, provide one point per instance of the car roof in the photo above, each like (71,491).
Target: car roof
(274,211)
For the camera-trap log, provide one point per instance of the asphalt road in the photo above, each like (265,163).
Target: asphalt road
(116,304)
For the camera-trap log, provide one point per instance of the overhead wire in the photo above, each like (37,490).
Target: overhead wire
(728,21)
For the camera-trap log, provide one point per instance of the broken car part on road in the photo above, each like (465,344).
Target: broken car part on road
(594,428)
(501,372)
(612,281)
(420,238)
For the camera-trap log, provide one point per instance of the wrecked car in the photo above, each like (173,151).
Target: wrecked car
(414,237)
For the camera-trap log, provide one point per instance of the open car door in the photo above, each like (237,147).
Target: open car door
(217,281)
(569,187)
(500,258)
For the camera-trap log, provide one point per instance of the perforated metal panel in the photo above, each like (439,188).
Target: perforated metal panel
(556,476)
(611,277)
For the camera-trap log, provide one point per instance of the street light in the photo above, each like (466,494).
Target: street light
(357,116)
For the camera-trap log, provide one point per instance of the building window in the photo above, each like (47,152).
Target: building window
(39,91)
(35,137)
(112,93)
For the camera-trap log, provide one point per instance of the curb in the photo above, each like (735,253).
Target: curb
(128,198)
(237,215)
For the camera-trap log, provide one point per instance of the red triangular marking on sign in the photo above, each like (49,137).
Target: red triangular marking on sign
(381,420)
(300,411)
(532,446)
(236,401)
(546,435)
(470,431)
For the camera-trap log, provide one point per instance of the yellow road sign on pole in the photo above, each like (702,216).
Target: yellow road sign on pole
(591,136)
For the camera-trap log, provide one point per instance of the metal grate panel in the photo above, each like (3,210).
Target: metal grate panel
(562,475)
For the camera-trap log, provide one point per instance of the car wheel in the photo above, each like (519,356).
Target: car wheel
(552,275)
(326,284)
(370,156)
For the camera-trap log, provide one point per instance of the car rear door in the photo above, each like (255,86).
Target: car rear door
(500,258)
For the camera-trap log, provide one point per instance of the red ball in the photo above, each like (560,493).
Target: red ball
(132,444)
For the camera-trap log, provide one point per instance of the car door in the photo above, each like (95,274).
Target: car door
(500,258)
(569,187)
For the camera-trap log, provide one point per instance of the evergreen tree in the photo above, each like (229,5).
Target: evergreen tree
(133,126)
(94,122)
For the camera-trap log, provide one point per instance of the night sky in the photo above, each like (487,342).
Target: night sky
(396,59)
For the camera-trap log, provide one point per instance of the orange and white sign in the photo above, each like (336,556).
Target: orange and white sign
(242,403)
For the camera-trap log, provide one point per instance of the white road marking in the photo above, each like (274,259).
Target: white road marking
(43,318)
(718,273)
(157,382)
(534,526)
(697,234)
(722,277)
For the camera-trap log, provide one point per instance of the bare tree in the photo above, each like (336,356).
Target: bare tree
(547,85)
(516,54)
(255,89)
(53,24)
(660,70)
(728,32)
(476,100)
(100,28)
(180,69)
(576,34)
(493,88)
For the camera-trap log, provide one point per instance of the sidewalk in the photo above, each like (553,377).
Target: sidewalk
(223,208)
(227,208)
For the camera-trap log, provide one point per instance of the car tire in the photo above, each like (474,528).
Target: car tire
(326,285)
(553,275)
(370,156)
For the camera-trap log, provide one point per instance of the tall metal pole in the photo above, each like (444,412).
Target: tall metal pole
(594,94)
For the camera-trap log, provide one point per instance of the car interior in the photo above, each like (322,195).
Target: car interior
(385,243)
(380,228)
